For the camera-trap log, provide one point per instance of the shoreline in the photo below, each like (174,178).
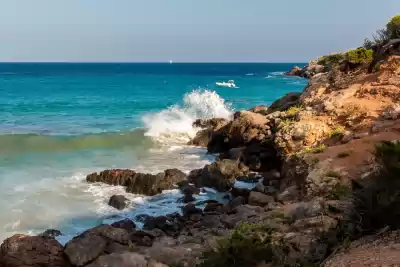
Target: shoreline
(307,153)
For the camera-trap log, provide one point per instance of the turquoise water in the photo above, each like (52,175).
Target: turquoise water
(59,122)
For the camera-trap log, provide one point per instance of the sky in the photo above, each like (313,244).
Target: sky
(186,30)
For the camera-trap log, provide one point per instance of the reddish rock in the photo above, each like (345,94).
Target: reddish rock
(139,183)
(32,251)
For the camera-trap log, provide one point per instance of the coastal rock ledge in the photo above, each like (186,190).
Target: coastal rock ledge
(139,183)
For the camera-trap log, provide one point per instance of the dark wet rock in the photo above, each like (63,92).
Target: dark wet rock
(112,177)
(118,202)
(190,209)
(248,179)
(142,217)
(260,199)
(189,190)
(126,224)
(213,207)
(186,199)
(139,183)
(209,126)
(142,238)
(243,192)
(237,201)
(220,175)
(160,222)
(260,157)
(51,233)
(32,251)
(271,176)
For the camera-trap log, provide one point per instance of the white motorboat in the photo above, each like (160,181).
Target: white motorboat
(230,84)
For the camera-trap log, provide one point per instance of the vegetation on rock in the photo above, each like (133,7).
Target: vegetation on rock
(248,245)
(331,60)
(316,149)
(338,131)
(376,200)
(382,36)
(359,56)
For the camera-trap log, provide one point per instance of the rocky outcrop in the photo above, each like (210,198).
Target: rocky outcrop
(207,126)
(308,71)
(32,251)
(139,183)
(245,127)
(219,175)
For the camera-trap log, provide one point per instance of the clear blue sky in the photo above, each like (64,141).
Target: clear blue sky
(186,30)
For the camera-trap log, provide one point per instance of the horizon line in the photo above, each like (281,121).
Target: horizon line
(151,62)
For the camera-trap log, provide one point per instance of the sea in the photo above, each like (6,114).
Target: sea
(62,121)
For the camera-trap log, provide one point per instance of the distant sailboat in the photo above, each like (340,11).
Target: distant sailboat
(170,62)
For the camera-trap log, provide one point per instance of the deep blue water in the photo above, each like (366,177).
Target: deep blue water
(59,122)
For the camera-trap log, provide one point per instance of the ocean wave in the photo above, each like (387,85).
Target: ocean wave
(171,126)
(174,124)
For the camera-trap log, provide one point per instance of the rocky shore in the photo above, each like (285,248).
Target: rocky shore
(324,163)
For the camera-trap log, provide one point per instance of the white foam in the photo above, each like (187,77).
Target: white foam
(174,125)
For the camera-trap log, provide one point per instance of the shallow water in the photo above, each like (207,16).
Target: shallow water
(59,122)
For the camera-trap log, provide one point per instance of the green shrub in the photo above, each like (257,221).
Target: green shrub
(391,31)
(292,111)
(316,149)
(338,131)
(393,27)
(331,60)
(359,56)
(248,245)
(376,204)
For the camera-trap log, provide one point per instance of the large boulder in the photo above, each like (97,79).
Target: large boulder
(32,251)
(89,245)
(118,202)
(208,126)
(220,175)
(245,127)
(139,183)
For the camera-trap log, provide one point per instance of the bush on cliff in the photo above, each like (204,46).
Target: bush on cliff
(359,56)
(331,60)
(376,203)
(391,31)
(248,245)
